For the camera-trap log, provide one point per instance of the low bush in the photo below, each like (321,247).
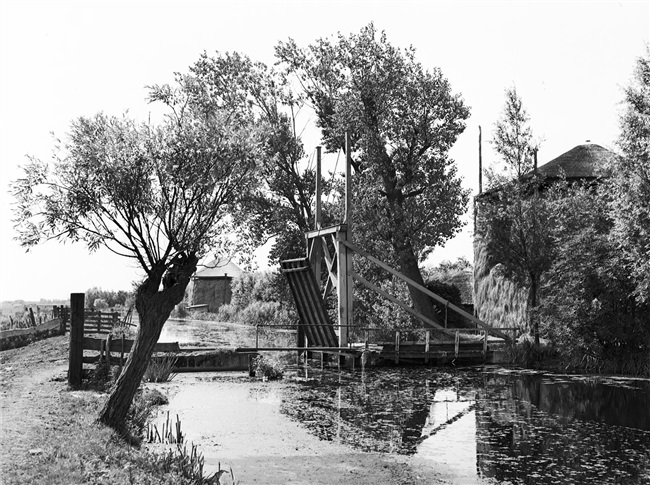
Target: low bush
(269,367)
(259,299)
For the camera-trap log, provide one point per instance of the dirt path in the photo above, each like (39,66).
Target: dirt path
(31,378)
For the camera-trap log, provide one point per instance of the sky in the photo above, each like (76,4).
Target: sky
(569,61)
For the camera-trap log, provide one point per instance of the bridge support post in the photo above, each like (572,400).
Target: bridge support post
(345,254)
(427,340)
(344,288)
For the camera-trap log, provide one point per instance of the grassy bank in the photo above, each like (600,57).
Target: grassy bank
(76,450)
(49,434)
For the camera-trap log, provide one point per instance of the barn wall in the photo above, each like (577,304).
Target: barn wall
(214,292)
(498,300)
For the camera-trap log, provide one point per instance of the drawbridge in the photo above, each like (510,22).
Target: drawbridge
(316,332)
(329,253)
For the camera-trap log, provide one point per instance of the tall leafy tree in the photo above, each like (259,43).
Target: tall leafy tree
(403,119)
(513,218)
(156,195)
(631,178)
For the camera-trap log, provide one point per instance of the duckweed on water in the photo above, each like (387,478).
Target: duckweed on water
(527,428)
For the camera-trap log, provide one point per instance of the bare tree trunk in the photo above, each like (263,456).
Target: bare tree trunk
(154,307)
(422,303)
(533,322)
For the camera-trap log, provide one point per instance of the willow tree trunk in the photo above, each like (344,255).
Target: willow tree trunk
(403,247)
(422,303)
(154,307)
(533,321)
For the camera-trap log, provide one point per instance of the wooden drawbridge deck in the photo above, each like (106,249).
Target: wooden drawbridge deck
(314,320)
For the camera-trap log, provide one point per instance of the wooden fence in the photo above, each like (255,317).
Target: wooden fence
(84,322)
(94,321)
(121,346)
(19,337)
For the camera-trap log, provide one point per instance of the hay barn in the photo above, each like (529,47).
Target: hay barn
(210,287)
(498,300)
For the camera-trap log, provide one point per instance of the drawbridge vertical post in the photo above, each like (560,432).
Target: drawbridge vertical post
(317,252)
(314,246)
(345,255)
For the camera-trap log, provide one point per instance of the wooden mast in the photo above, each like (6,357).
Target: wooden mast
(318,219)
(480,163)
(344,254)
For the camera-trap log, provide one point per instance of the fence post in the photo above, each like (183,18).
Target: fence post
(122,353)
(485,343)
(75,363)
(427,339)
(63,316)
(109,339)
(300,336)
(397,346)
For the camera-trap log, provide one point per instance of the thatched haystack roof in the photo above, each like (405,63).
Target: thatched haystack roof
(581,162)
(218,269)
(584,162)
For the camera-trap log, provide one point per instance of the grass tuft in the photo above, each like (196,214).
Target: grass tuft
(161,369)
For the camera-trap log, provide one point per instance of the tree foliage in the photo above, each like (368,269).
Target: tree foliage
(402,119)
(513,141)
(112,298)
(631,178)
(281,205)
(259,298)
(588,309)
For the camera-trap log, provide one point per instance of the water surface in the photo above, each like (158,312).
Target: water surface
(490,425)
(487,425)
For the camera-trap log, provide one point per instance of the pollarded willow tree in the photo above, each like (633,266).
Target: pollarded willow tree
(156,195)
(403,119)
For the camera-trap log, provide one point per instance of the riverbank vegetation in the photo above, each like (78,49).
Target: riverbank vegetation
(577,249)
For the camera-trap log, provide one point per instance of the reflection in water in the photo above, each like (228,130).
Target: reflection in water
(501,426)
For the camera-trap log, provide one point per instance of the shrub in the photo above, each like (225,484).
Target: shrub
(141,410)
(258,299)
(259,313)
(269,367)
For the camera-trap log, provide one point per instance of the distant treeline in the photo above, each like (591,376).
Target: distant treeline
(99,299)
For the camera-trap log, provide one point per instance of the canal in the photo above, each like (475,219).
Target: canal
(482,425)
(487,423)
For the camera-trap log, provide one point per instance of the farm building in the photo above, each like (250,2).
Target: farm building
(211,286)
(498,300)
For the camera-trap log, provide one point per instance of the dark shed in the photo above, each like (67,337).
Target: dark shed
(211,286)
